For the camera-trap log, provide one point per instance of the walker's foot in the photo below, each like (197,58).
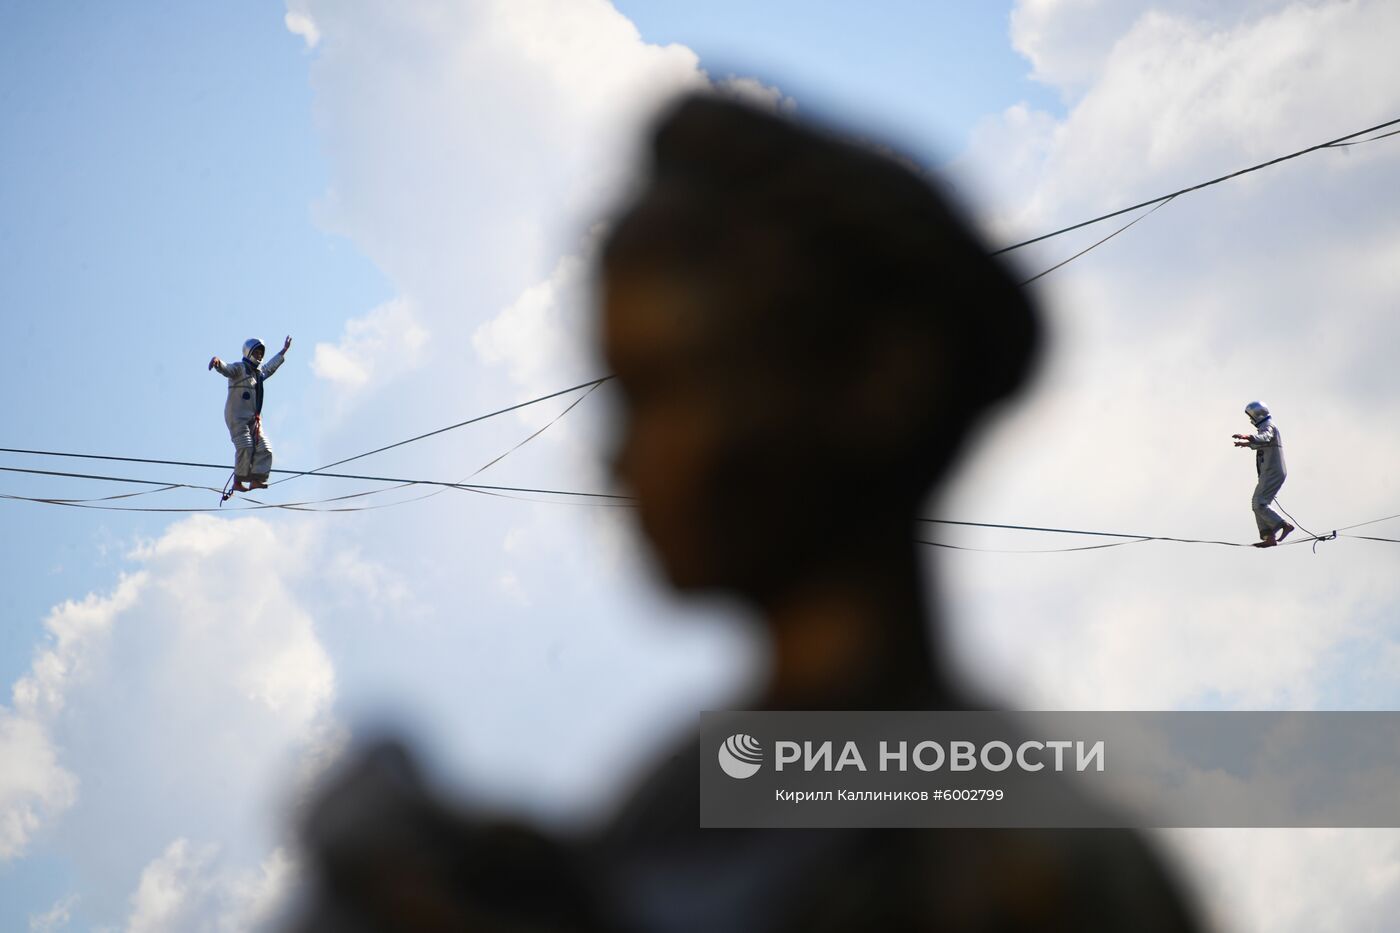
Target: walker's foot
(257,484)
(239,486)
(1284,531)
(1267,542)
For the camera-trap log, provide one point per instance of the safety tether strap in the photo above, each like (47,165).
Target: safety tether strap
(255,371)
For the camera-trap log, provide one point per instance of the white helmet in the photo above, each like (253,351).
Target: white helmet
(1256,411)
(251,344)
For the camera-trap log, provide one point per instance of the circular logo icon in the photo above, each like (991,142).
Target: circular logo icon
(740,756)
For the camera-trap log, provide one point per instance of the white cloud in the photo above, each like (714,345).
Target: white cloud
(376,347)
(74,628)
(1069,42)
(469,146)
(300,24)
(1280,285)
(488,130)
(188,889)
(55,918)
(756,92)
(169,885)
(34,785)
(1319,880)
(543,334)
(1192,90)
(1162,335)
(184,699)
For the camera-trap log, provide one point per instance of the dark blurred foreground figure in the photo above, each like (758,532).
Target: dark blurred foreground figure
(804,335)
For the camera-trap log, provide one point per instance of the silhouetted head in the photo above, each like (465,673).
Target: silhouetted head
(804,334)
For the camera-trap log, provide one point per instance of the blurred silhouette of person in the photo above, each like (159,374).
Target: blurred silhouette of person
(805,335)
(1267,444)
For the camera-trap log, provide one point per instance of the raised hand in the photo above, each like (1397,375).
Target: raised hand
(287,344)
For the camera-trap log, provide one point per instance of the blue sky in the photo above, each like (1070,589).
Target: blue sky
(407,189)
(160,170)
(927,92)
(163,169)
(158,204)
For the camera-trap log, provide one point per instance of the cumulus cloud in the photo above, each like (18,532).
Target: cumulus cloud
(34,785)
(756,92)
(1160,339)
(1347,881)
(168,886)
(1280,285)
(1069,42)
(1164,334)
(55,918)
(194,692)
(470,148)
(472,151)
(541,335)
(373,349)
(186,888)
(302,25)
(487,130)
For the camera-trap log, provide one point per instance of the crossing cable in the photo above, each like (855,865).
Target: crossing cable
(319,471)
(160,487)
(1374,521)
(1358,142)
(1054,550)
(598,495)
(1128,538)
(1155,203)
(1331,144)
(497,459)
(1348,140)
(316,505)
(305,506)
(481,469)
(622,501)
(469,487)
(1096,244)
(1311,535)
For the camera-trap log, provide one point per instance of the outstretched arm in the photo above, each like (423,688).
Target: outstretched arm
(224,368)
(271,365)
(1264,438)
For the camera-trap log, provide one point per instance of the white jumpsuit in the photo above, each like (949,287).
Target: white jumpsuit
(1268,463)
(252,455)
